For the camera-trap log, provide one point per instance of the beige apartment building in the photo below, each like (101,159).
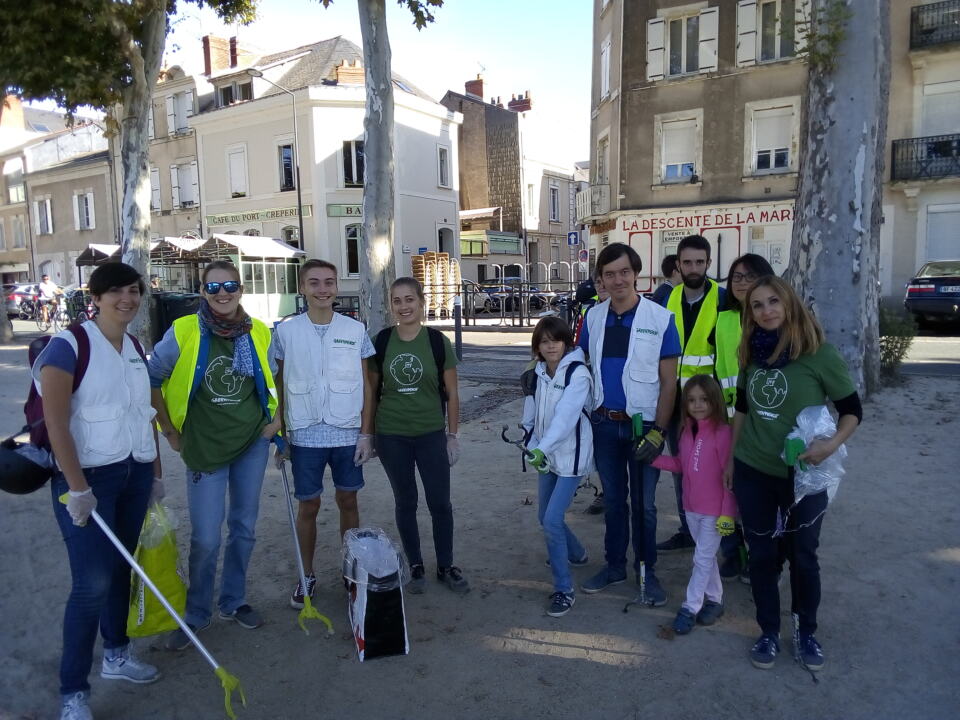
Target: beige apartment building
(697,109)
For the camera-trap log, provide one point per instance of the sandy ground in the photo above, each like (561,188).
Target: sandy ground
(891,575)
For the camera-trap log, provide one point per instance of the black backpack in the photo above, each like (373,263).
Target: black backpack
(437,347)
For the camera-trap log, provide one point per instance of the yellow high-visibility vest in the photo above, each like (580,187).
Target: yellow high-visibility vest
(727,338)
(698,353)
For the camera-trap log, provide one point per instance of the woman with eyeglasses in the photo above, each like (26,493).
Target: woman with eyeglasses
(216,402)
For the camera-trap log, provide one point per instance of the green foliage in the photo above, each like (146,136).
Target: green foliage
(84,52)
(897,330)
(822,32)
(419,8)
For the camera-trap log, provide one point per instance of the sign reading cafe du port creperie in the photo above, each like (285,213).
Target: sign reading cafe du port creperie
(257,215)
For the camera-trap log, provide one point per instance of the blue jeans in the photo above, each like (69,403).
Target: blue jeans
(556,494)
(100,594)
(206,496)
(621,477)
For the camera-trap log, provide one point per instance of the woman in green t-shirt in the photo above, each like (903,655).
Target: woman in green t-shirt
(787,367)
(411,430)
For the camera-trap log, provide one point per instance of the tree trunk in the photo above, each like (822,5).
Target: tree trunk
(834,256)
(377,270)
(134,157)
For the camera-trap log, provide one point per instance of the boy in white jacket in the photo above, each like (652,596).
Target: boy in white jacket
(558,392)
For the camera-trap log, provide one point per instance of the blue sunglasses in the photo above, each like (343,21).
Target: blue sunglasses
(212,288)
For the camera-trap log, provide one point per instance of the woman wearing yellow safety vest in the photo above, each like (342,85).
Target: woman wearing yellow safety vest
(215,398)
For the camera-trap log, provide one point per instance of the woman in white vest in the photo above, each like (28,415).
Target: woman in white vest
(326,407)
(106,451)
(559,436)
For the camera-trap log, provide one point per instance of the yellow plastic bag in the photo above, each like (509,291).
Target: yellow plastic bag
(157,555)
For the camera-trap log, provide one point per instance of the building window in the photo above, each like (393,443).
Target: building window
(17,194)
(678,150)
(291,236)
(443,166)
(13,176)
(353,167)
(84,216)
(185,185)
(252,232)
(3,236)
(605,69)
(554,203)
(353,234)
(531,200)
(234,92)
(179,108)
(285,157)
(773,138)
(603,160)
(683,45)
(43,225)
(246,90)
(776,29)
(237,171)
(226,95)
(155,189)
(19,236)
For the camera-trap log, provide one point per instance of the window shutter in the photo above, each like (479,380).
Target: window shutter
(605,69)
(175,185)
(171,116)
(772,128)
(746,33)
(155,188)
(195,182)
(188,102)
(238,172)
(708,39)
(36,218)
(655,49)
(49,215)
(91,214)
(150,133)
(801,13)
(679,142)
(76,213)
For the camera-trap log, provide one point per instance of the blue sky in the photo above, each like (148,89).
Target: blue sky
(538,45)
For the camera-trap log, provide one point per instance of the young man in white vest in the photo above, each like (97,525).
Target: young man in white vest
(633,347)
(325,403)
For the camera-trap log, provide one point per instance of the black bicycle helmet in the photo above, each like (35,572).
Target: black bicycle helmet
(18,473)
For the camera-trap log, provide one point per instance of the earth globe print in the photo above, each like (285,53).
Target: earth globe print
(406,369)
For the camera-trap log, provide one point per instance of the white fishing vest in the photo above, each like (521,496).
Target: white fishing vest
(641,373)
(110,413)
(573,457)
(322,379)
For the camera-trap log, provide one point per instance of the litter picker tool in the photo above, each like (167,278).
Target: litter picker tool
(309,612)
(228,681)
(518,442)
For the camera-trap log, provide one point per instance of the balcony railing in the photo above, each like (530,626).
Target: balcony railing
(932,157)
(935,24)
(599,199)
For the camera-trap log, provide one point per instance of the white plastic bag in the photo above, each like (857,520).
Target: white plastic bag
(370,557)
(816,423)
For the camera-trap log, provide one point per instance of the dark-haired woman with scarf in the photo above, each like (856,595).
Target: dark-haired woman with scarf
(215,399)
(787,366)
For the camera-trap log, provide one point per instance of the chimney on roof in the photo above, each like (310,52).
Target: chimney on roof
(11,115)
(350,73)
(233,51)
(474,88)
(216,54)
(521,103)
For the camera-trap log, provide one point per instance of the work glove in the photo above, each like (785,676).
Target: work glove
(364,449)
(80,505)
(538,460)
(453,449)
(725,525)
(157,491)
(650,446)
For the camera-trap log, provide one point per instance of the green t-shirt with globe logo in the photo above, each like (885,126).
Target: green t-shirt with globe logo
(776,397)
(410,401)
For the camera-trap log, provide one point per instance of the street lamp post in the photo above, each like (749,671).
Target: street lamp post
(254,73)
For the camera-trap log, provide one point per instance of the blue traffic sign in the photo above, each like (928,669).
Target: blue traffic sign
(573,238)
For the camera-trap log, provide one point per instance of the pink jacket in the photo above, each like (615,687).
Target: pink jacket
(701,460)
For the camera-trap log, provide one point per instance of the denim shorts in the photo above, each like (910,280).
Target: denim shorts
(309,465)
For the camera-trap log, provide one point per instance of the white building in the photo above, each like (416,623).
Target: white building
(247,173)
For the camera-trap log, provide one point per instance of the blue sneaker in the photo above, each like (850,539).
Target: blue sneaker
(811,654)
(684,622)
(764,651)
(602,580)
(710,613)
(654,594)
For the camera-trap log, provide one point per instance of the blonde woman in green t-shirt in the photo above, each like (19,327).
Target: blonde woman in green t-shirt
(417,374)
(787,367)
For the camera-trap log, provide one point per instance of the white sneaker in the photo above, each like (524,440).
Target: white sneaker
(124,666)
(75,707)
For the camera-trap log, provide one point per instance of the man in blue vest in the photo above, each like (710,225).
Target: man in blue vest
(633,347)
(695,305)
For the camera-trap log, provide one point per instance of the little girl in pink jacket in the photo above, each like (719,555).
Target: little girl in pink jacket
(710,508)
